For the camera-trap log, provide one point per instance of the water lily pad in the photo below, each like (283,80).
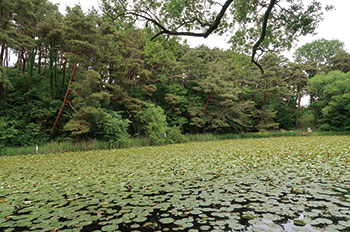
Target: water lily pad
(205,228)
(140,219)
(321,221)
(166,220)
(299,222)
(248,216)
(110,228)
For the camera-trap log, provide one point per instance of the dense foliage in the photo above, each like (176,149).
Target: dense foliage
(332,107)
(82,76)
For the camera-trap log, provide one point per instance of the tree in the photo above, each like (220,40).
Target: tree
(297,78)
(19,23)
(216,94)
(81,35)
(318,52)
(201,18)
(91,116)
(340,61)
(153,123)
(316,56)
(331,109)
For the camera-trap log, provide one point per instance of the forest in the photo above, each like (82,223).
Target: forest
(86,75)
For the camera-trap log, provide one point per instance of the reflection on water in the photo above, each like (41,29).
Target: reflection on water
(269,225)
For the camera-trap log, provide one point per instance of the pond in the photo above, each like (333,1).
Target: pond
(274,184)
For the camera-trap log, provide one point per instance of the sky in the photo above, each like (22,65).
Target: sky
(334,25)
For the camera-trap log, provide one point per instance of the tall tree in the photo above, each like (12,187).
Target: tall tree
(331,109)
(318,52)
(81,35)
(270,91)
(316,56)
(297,77)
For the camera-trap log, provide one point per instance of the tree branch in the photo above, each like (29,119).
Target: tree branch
(164,30)
(211,27)
(263,34)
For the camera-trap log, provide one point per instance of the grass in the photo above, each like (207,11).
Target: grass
(267,134)
(228,185)
(57,147)
(54,147)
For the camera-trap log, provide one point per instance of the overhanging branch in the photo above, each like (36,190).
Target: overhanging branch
(263,34)
(205,34)
(164,30)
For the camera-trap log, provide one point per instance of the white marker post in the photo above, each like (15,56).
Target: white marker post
(37,149)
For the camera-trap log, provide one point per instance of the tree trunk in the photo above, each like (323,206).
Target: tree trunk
(45,61)
(64,101)
(210,95)
(110,81)
(187,81)
(3,45)
(5,64)
(299,103)
(51,72)
(39,60)
(265,95)
(6,61)
(55,72)
(19,63)
(63,74)
(25,58)
(31,68)
(170,110)
(2,52)
(312,99)
(1,84)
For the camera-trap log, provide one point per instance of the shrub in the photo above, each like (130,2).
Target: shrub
(175,136)
(7,132)
(153,122)
(114,128)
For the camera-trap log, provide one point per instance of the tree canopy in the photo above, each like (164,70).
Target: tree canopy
(255,24)
(319,52)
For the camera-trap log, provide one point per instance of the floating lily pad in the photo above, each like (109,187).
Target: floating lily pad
(110,228)
(166,220)
(205,228)
(299,222)
(140,219)
(248,216)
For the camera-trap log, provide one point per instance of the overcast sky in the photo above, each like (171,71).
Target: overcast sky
(334,26)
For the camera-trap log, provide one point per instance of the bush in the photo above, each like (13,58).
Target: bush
(7,132)
(114,128)
(175,136)
(154,123)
